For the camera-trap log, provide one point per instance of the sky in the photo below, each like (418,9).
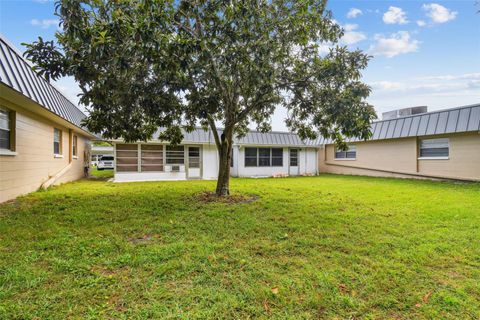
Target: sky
(423,52)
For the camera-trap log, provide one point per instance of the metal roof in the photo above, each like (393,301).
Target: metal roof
(17,73)
(455,120)
(198,135)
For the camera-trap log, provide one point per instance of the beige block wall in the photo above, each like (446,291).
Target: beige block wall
(35,162)
(398,158)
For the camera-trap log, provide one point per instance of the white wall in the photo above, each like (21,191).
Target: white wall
(307,164)
(209,162)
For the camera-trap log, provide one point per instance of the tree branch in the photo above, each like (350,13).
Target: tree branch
(211,122)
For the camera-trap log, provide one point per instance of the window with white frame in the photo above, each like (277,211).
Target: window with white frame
(350,153)
(57,141)
(263,157)
(74,146)
(126,157)
(293,157)
(6,129)
(434,148)
(175,155)
(251,157)
(194,157)
(151,157)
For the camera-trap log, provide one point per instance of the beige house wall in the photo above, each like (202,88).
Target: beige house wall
(398,158)
(34,162)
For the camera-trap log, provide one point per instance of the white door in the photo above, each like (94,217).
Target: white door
(194,163)
(294,162)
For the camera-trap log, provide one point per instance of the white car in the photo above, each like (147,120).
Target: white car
(106,162)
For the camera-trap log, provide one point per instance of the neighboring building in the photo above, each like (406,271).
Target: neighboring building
(98,151)
(442,144)
(41,139)
(255,155)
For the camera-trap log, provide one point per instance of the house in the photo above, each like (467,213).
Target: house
(42,141)
(255,155)
(442,144)
(408,143)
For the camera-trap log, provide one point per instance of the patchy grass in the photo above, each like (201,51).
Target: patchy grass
(101,174)
(328,247)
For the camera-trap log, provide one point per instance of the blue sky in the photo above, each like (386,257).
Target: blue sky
(424,52)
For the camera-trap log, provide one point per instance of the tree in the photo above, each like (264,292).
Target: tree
(145,64)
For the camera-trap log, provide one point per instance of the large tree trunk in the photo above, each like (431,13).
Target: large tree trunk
(223,182)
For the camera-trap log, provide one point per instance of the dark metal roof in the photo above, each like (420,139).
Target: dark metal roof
(456,120)
(16,73)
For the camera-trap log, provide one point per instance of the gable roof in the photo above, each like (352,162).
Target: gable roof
(17,73)
(455,120)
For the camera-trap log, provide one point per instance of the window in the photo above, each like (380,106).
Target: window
(277,157)
(152,157)
(263,157)
(7,129)
(175,155)
(193,157)
(250,157)
(434,148)
(57,141)
(127,157)
(350,153)
(293,157)
(74,146)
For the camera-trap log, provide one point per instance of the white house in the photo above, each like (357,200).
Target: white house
(255,155)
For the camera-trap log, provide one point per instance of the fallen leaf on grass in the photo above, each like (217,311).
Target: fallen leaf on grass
(342,287)
(427,296)
(266,306)
(275,290)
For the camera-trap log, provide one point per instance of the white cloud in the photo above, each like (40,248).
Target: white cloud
(437,92)
(442,83)
(421,23)
(465,76)
(351,36)
(395,15)
(45,23)
(398,43)
(386,85)
(438,13)
(354,12)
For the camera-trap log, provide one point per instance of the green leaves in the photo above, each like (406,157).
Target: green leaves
(146,64)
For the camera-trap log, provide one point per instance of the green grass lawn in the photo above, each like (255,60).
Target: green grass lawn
(328,247)
(101,174)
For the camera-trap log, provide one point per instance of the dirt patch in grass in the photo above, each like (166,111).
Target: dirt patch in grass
(211,197)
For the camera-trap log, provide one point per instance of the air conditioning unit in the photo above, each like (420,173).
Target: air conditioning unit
(404,112)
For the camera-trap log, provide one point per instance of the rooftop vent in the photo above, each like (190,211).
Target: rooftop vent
(403,112)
